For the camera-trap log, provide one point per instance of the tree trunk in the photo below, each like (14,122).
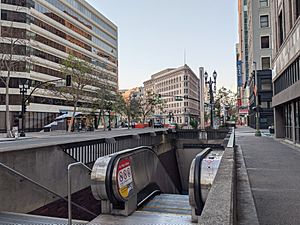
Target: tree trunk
(99,118)
(103,121)
(72,118)
(7,112)
(129,121)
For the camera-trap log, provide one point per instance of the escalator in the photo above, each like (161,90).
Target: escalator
(134,187)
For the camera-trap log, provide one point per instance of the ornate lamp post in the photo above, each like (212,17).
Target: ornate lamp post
(24,85)
(257,133)
(212,89)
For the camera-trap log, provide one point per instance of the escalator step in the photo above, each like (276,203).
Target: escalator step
(169,203)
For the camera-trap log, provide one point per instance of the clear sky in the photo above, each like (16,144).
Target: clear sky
(154,33)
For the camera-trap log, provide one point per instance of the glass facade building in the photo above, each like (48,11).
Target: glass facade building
(49,31)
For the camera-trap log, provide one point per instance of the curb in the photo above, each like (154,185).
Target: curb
(14,139)
(246,210)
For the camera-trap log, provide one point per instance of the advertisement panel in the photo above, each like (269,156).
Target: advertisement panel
(239,73)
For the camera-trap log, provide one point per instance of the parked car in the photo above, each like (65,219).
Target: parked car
(158,125)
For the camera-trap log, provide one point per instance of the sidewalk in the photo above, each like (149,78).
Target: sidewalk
(274,173)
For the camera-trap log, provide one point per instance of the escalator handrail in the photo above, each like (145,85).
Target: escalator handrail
(197,180)
(110,169)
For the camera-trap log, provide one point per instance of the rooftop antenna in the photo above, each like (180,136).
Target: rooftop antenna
(184,57)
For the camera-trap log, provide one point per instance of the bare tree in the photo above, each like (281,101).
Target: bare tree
(14,56)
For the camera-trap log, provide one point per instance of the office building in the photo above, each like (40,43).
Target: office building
(286,69)
(259,60)
(173,82)
(53,29)
(242,63)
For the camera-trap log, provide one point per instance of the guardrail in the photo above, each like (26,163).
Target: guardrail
(89,151)
(208,134)
(219,207)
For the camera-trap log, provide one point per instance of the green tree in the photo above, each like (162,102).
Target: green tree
(80,72)
(127,106)
(103,101)
(227,99)
(148,103)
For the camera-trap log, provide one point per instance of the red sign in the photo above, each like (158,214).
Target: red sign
(243,111)
(124,177)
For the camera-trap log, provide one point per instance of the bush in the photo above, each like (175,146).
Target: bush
(194,124)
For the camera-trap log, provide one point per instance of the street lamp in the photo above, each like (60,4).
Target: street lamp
(109,108)
(212,89)
(171,115)
(24,85)
(257,133)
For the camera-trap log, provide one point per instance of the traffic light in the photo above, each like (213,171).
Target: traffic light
(68,80)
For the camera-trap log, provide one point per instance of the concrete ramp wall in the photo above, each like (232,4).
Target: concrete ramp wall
(48,167)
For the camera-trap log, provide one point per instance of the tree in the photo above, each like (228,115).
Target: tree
(227,99)
(13,42)
(148,103)
(103,100)
(128,106)
(80,72)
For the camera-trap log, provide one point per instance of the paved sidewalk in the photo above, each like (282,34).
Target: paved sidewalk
(274,174)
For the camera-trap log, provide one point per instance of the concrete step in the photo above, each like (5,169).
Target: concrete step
(169,203)
(8,218)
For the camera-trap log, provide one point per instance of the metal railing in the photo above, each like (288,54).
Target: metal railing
(89,151)
(70,166)
(44,187)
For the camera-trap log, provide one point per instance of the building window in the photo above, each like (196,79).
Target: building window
(264,42)
(280,29)
(264,3)
(266,84)
(264,21)
(297,8)
(265,63)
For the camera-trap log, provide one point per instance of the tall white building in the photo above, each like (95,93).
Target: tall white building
(173,82)
(54,29)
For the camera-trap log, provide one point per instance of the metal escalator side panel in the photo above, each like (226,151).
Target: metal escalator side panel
(99,177)
(209,168)
(195,190)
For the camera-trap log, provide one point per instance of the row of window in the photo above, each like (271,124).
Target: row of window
(290,76)
(289,116)
(64,22)
(34,121)
(23,3)
(294,12)
(84,21)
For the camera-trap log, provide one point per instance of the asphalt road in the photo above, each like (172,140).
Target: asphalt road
(46,139)
(273,169)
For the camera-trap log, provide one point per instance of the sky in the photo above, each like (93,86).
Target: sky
(154,34)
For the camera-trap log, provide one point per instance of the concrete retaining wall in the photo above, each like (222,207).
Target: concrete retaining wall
(219,208)
(47,166)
